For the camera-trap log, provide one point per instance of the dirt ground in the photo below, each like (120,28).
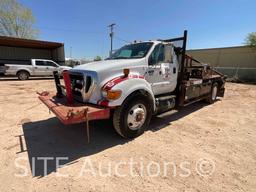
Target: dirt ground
(200,148)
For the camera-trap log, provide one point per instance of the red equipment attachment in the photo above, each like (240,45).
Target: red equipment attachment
(69,111)
(75,113)
(67,82)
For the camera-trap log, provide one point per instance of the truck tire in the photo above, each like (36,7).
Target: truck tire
(213,96)
(23,75)
(132,118)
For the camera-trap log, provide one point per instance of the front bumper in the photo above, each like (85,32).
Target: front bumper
(73,113)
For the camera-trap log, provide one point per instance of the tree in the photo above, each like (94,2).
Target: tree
(16,20)
(251,39)
(97,58)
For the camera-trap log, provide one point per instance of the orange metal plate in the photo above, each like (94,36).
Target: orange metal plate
(61,109)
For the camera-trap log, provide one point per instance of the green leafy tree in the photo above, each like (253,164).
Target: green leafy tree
(16,20)
(251,39)
(97,58)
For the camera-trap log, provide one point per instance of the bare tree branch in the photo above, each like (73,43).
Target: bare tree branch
(251,39)
(16,20)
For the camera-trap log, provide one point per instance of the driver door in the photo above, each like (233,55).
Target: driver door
(162,72)
(40,68)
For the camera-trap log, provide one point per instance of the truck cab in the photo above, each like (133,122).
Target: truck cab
(151,65)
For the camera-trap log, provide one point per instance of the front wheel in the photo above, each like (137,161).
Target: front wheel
(132,118)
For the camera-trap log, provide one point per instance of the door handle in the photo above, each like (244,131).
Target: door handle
(47,67)
(150,72)
(174,70)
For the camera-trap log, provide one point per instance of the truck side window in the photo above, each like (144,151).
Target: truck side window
(40,63)
(49,63)
(157,56)
(168,51)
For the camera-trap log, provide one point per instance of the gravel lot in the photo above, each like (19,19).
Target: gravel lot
(200,148)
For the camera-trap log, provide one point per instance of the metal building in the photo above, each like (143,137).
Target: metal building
(16,50)
(235,62)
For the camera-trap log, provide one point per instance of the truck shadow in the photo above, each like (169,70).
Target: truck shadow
(165,119)
(49,138)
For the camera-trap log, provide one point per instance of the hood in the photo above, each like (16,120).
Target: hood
(104,71)
(111,65)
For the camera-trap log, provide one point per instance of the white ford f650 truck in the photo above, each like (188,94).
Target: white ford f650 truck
(37,67)
(137,81)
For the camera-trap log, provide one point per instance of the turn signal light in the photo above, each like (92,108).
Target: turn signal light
(114,94)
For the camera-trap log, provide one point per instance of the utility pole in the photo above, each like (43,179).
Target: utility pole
(111,34)
(70,53)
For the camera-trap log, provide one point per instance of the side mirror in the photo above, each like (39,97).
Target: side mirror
(168,51)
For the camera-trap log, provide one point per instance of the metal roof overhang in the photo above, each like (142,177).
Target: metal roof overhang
(28,43)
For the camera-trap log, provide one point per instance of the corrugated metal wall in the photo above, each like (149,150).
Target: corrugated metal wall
(23,55)
(236,62)
(58,55)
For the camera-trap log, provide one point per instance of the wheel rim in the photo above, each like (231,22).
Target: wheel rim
(23,76)
(214,93)
(136,116)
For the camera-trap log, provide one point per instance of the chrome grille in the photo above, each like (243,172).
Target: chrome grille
(82,86)
(77,84)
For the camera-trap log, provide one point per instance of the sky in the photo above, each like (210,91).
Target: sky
(82,24)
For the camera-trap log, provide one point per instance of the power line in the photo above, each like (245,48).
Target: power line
(61,29)
(70,30)
(70,52)
(121,39)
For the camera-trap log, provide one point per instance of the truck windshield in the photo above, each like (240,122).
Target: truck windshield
(132,51)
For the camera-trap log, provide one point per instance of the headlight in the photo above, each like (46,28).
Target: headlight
(113,94)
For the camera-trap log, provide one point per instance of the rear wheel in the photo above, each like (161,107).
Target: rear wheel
(132,118)
(213,96)
(23,75)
